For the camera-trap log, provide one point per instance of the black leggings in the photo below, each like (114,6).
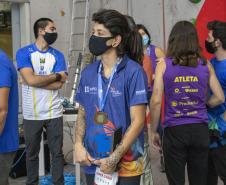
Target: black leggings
(122,180)
(186,144)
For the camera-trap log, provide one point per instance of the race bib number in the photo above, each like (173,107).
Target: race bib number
(105,179)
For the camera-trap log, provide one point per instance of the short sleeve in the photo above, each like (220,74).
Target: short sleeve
(23,59)
(138,88)
(80,94)
(222,79)
(5,80)
(60,63)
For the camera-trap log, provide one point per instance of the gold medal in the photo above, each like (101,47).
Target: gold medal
(100,118)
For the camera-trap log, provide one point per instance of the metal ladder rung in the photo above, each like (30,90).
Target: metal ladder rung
(81,17)
(76,2)
(76,50)
(75,18)
(76,34)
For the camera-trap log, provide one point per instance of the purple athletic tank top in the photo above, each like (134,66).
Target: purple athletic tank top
(185,94)
(153,57)
(151,53)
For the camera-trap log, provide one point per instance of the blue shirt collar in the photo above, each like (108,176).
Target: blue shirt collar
(121,66)
(36,48)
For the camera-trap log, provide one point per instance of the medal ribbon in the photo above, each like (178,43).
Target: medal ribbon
(102,99)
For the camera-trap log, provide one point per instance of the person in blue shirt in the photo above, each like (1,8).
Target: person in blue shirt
(112,95)
(9,139)
(216,44)
(43,72)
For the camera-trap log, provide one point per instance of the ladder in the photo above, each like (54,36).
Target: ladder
(78,35)
(78,39)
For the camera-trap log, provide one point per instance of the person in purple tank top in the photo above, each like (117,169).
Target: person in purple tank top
(154,53)
(184,77)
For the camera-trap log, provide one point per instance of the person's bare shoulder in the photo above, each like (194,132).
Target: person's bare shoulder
(159,52)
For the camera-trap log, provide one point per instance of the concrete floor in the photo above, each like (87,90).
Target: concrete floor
(159,178)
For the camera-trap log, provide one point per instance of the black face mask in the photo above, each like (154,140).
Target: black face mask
(50,38)
(209,47)
(97,45)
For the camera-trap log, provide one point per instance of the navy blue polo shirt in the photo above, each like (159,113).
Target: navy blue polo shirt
(128,88)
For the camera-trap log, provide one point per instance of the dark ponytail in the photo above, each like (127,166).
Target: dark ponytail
(134,43)
(118,24)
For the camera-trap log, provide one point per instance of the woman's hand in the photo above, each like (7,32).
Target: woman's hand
(107,165)
(81,155)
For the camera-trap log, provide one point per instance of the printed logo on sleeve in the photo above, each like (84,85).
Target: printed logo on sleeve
(141,92)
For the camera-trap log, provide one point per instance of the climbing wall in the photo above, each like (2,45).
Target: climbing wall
(180,10)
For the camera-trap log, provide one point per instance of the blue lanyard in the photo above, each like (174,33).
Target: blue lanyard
(102,99)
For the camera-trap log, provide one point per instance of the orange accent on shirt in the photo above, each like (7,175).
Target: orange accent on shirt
(147,65)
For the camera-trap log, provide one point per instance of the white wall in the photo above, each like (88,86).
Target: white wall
(149,13)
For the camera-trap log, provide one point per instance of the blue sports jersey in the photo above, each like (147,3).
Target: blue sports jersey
(216,112)
(220,70)
(9,138)
(128,88)
(40,103)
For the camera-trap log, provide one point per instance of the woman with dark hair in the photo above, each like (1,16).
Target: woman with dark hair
(184,77)
(136,38)
(146,177)
(151,55)
(150,50)
(112,95)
